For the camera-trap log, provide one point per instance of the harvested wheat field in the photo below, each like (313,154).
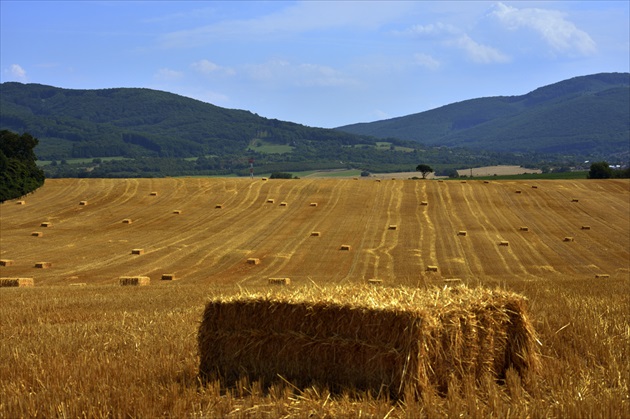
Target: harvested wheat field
(109,350)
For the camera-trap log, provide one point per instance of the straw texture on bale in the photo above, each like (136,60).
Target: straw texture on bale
(6,262)
(134,280)
(400,341)
(17,282)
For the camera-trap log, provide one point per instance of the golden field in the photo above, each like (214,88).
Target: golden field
(78,344)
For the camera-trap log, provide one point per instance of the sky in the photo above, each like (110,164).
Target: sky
(317,63)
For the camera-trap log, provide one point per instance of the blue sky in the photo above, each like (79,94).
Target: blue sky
(318,63)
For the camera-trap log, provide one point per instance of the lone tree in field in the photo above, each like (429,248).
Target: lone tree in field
(425,169)
(600,170)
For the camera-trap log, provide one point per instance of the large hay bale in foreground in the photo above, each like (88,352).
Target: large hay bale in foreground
(393,340)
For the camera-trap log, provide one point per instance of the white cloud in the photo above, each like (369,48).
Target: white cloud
(17,72)
(427,61)
(208,67)
(479,53)
(166,74)
(430,30)
(562,35)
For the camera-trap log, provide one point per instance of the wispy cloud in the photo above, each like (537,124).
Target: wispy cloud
(305,74)
(17,72)
(426,61)
(430,30)
(297,18)
(166,74)
(552,26)
(479,53)
(208,67)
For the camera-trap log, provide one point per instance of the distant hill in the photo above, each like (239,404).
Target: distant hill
(130,122)
(587,115)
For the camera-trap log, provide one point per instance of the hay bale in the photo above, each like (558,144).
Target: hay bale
(83,202)
(486,181)
(137,251)
(46,224)
(586,227)
(177,212)
(37,234)
(6,262)
(20,203)
(375,281)
(153,194)
(279,281)
(313,204)
(134,280)
(392,227)
(264,178)
(218,206)
(253,261)
(168,277)
(315,233)
(283,204)
(523,228)
(432,268)
(378,180)
(345,247)
(463,181)
(43,265)
(127,221)
(462,233)
(534,187)
(400,340)
(519,191)
(270,201)
(567,239)
(602,276)
(452,280)
(504,243)
(424,203)
(17,282)
(575,200)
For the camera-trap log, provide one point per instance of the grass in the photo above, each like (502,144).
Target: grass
(114,351)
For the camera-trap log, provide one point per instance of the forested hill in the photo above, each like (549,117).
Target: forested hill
(583,115)
(133,122)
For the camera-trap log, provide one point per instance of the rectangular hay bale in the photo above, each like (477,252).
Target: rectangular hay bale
(392,227)
(313,204)
(6,262)
(315,233)
(524,228)
(462,233)
(253,261)
(586,227)
(168,277)
(424,203)
(279,281)
(602,276)
(134,280)
(345,247)
(21,202)
(43,265)
(83,202)
(46,224)
(432,268)
(17,282)
(37,234)
(127,221)
(504,243)
(398,340)
(568,239)
(270,201)
(137,251)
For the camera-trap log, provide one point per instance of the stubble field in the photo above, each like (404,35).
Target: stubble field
(78,344)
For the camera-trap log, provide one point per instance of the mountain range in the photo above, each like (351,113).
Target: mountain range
(583,115)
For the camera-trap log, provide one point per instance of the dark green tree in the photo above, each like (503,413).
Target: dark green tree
(600,170)
(424,169)
(19,174)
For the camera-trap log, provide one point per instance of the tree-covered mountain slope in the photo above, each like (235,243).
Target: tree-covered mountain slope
(131,122)
(583,115)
